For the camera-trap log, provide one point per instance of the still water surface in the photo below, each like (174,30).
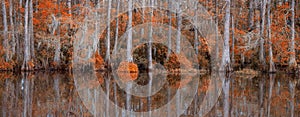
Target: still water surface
(65,94)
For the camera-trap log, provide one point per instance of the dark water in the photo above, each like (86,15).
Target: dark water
(102,94)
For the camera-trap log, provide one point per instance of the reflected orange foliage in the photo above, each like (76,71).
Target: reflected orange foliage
(127,77)
(182,83)
(127,71)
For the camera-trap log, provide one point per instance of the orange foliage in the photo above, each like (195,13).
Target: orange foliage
(128,67)
(3,64)
(127,71)
(99,62)
(100,78)
(178,61)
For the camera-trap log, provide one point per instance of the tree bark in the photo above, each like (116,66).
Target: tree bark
(271,62)
(150,66)
(217,34)
(261,33)
(96,42)
(27,56)
(170,29)
(233,40)
(5,37)
(178,27)
(13,39)
(196,40)
(19,24)
(31,35)
(292,61)
(117,26)
(250,15)
(129,28)
(107,58)
(69,3)
(226,55)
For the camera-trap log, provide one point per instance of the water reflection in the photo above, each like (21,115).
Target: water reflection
(56,94)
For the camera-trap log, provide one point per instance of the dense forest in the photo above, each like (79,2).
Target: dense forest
(257,34)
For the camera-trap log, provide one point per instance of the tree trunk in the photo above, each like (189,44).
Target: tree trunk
(226,55)
(13,39)
(170,29)
(217,34)
(55,26)
(271,62)
(107,58)
(129,28)
(69,3)
(96,42)
(261,33)
(233,40)
(292,61)
(19,24)
(5,37)
(31,35)
(178,27)
(257,15)
(250,15)
(27,56)
(117,27)
(196,40)
(150,66)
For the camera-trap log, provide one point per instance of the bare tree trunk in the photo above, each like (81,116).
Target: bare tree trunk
(69,7)
(233,40)
(57,40)
(226,54)
(170,29)
(271,62)
(19,24)
(257,15)
(196,40)
(55,24)
(261,32)
(250,15)
(31,38)
(292,61)
(178,10)
(27,56)
(117,26)
(13,39)
(96,35)
(5,37)
(107,58)
(217,32)
(150,66)
(129,28)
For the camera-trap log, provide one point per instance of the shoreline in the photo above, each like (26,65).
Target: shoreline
(245,71)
